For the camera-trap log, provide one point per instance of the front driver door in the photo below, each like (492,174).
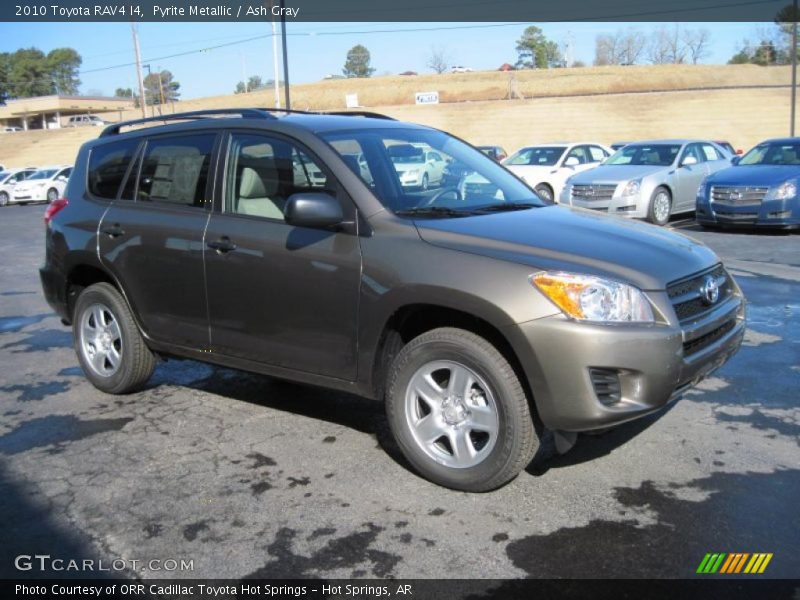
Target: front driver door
(277,294)
(688,178)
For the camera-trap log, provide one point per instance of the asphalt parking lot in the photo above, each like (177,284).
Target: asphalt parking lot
(252,477)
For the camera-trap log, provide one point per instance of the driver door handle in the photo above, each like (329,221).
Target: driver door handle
(223,245)
(113,231)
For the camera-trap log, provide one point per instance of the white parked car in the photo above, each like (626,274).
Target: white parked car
(45,185)
(10,178)
(417,167)
(10,129)
(86,121)
(460,69)
(547,167)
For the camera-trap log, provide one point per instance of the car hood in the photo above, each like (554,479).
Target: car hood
(531,168)
(762,175)
(617,173)
(407,166)
(576,240)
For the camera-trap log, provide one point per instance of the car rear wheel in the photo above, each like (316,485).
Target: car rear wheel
(660,206)
(425,182)
(545,192)
(3,198)
(52,195)
(458,411)
(110,348)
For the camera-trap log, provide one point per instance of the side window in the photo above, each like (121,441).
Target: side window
(522,158)
(597,154)
(710,152)
(175,170)
(65,173)
(263,172)
(435,156)
(107,166)
(578,152)
(693,150)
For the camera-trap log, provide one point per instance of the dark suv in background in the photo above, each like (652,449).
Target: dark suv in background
(286,244)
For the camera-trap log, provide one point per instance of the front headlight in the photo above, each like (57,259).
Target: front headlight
(785,191)
(632,187)
(588,298)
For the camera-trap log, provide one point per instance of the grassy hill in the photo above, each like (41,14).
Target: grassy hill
(558,104)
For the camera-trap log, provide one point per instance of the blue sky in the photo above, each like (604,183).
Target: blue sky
(315,49)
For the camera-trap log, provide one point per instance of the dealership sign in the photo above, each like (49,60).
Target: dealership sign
(427,97)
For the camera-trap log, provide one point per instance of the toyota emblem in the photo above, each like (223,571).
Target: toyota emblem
(709,291)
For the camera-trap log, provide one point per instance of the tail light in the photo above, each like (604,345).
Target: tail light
(54,208)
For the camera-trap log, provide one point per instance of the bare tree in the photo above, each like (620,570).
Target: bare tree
(438,60)
(667,46)
(621,48)
(696,43)
(631,47)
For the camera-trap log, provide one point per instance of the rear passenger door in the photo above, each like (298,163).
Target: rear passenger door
(151,238)
(280,295)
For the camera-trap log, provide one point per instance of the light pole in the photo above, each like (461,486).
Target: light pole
(794,63)
(144,98)
(286,58)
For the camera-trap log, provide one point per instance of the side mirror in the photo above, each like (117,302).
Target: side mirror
(572,162)
(313,209)
(735,160)
(688,161)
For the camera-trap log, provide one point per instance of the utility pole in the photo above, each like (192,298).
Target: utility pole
(160,92)
(794,63)
(275,73)
(244,73)
(286,58)
(152,106)
(138,68)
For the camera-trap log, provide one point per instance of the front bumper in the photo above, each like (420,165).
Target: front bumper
(633,207)
(653,364)
(767,213)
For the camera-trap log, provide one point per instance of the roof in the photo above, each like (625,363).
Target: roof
(785,140)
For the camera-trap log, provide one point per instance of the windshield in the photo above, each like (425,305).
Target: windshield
(661,155)
(45,174)
(773,154)
(4,175)
(410,170)
(543,156)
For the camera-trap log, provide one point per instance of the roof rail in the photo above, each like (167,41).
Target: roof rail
(245,113)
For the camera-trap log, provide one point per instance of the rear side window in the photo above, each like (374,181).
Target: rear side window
(175,170)
(107,166)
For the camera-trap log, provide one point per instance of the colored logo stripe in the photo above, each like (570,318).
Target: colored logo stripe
(735,562)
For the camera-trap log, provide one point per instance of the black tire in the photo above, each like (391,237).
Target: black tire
(545,192)
(52,195)
(516,440)
(652,209)
(425,182)
(4,198)
(136,363)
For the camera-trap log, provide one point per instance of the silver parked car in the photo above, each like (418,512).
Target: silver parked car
(648,180)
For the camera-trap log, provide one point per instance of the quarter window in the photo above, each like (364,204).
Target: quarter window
(710,152)
(107,166)
(175,170)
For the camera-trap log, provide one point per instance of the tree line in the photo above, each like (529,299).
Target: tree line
(30,72)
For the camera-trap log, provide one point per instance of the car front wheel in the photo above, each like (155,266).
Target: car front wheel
(544,192)
(458,411)
(110,348)
(52,195)
(3,198)
(660,206)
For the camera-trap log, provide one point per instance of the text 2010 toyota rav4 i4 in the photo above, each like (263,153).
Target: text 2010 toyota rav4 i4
(480,319)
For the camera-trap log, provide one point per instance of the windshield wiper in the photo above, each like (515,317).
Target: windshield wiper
(433,211)
(507,206)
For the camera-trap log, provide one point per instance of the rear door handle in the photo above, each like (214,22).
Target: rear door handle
(113,231)
(223,245)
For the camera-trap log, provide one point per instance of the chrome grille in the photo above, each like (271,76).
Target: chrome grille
(686,297)
(589,192)
(737,196)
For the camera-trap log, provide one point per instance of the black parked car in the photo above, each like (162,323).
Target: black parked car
(286,244)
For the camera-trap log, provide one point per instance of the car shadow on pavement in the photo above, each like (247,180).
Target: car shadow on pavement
(29,528)
(348,410)
(591,447)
